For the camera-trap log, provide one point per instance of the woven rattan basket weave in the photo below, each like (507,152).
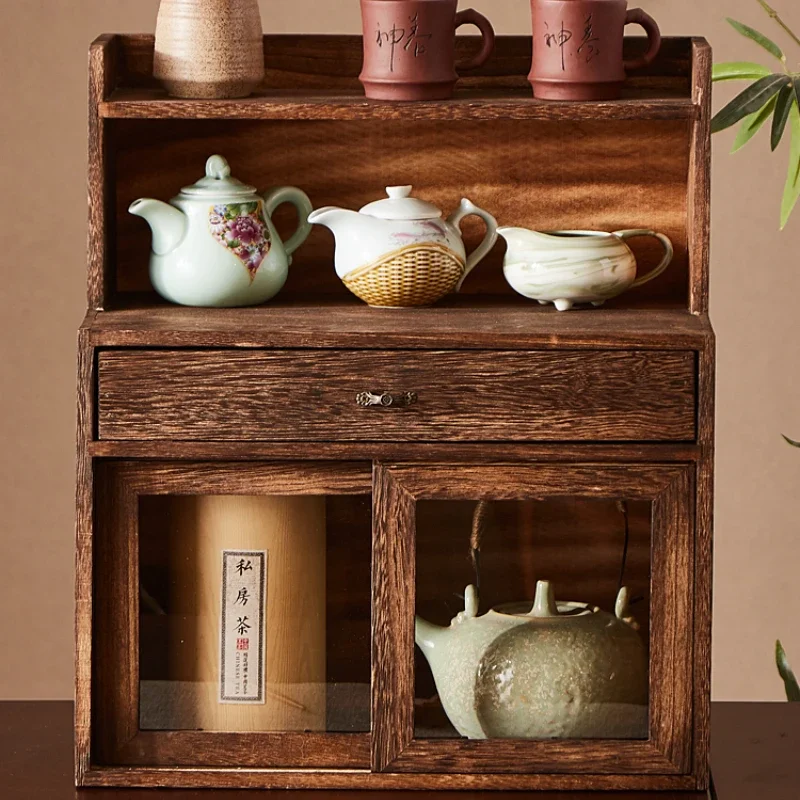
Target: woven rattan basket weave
(416,275)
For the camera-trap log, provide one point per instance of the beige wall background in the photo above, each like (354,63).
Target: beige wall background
(756,282)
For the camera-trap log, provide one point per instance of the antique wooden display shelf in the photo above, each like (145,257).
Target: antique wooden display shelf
(517,404)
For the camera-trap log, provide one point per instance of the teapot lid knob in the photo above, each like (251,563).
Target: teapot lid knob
(399,192)
(218,168)
(545,603)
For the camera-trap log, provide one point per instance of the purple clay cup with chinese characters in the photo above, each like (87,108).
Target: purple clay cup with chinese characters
(577,48)
(409,48)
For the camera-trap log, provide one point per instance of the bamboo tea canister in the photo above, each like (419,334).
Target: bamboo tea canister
(215,563)
(209,49)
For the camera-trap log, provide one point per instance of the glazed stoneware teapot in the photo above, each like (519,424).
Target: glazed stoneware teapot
(399,251)
(554,670)
(569,267)
(215,244)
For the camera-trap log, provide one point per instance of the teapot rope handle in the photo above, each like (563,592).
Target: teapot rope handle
(299,199)
(666,243)
(469,209)
(480,522)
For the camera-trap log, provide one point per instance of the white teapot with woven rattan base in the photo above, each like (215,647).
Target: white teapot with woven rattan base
(400,252)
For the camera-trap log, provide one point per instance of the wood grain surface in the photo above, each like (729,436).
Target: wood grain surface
(500,396)
(699,199)
(668,750)
(475,322)
(117,738)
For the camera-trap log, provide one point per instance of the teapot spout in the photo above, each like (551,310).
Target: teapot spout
(428,636)
(333,218)
(167,223)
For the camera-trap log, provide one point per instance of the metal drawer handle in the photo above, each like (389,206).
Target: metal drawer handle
(385,400)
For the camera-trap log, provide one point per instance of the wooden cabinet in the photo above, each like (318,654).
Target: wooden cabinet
(340,454)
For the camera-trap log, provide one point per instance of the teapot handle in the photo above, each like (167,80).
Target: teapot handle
(669,253)
(468,209)
(299,199)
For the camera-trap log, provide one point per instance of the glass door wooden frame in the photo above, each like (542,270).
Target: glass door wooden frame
(668,750)
(117,739)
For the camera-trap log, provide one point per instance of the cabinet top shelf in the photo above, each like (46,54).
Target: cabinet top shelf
(316,78)
(471,103)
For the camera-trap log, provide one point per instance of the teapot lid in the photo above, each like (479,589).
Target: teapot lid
(400,205)
(218,181)
(545,606)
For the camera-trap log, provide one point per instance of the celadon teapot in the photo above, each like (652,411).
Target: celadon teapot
(554,670)
(215,244)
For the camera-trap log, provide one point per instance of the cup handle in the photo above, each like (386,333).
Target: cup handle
(669,253)
(468,209)
(472,17)
(299,199)
(638,17)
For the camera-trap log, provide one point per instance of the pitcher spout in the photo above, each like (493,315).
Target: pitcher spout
(167,223)
(332,217)
(520,237)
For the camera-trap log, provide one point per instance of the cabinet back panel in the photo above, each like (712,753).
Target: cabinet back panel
(543,175)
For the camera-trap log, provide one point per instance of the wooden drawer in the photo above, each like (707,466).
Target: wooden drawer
(282,395)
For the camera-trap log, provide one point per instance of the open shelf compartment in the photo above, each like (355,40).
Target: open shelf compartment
(316,77)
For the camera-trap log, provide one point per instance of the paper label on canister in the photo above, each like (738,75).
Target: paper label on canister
(243,616)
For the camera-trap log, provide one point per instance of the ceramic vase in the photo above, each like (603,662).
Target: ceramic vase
(209,49)
(409,48)
(577,48)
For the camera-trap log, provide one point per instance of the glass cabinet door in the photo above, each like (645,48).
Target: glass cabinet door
(528,618)
(239,613)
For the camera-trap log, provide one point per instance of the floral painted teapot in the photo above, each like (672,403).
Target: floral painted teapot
(557,670)
(399,251)
(215,244)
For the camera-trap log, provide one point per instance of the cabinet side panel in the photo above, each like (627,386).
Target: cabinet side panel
(699,209)
(704,562)
(84,497)
(103,59)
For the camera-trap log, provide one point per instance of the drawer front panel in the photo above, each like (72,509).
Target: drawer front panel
(228,395)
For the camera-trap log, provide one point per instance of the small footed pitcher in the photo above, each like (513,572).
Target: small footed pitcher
(569,267)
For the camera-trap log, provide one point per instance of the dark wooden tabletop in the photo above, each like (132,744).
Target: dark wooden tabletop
(756,754)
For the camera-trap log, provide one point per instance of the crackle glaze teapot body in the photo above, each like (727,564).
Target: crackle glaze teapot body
(215,245)
(557,670)
(400,250)
(570,267)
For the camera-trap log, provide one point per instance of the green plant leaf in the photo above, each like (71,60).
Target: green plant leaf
(739,71)
(785,671)
(757,37)
(792,442)
(791,191)
(752,99)
(752,125)
(783,106)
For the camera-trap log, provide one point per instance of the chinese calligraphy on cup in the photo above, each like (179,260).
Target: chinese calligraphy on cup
(409,48)
(578,48)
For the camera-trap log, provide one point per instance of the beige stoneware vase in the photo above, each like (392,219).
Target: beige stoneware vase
(209,49)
